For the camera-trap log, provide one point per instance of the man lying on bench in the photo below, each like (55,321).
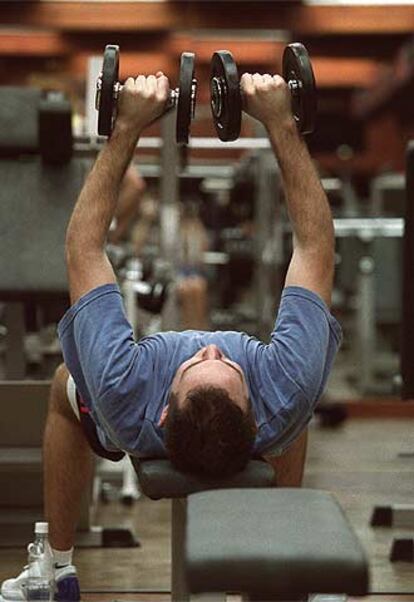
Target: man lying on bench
(207,400)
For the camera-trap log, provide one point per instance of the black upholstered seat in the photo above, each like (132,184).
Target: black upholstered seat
(159,479)
(271,544)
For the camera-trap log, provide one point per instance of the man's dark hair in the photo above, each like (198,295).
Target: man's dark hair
(210,435)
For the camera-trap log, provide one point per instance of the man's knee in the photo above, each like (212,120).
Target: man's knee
(200,285)
(58,398)
(289,467)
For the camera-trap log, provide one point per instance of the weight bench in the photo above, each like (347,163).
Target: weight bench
(242,535)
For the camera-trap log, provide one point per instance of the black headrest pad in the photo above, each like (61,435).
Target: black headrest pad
(159,479)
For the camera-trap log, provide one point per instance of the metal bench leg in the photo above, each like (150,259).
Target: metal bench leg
(179,589)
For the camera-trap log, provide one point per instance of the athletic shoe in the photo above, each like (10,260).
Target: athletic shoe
(67,586)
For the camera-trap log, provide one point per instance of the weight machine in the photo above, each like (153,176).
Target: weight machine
(402,515)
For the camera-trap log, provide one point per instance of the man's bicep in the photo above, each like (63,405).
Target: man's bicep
(312,270)
(112,372)
(90,272)
(100,339)
(303,344)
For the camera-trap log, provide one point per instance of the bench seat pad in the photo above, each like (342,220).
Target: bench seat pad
(272,543)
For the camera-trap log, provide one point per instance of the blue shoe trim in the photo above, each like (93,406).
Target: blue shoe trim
(68,590)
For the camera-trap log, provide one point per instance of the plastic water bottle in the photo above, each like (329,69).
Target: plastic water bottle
(40,582)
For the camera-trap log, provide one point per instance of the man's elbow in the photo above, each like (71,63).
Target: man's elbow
(325,252)
(79,245)
(74,248)
(321,245)
(71,246)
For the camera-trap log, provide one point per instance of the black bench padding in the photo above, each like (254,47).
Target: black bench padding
(272,544)
(35,206)
(19,120)
(159,479)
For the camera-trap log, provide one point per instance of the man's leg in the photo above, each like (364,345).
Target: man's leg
(290,466)
(200,303)
(68,465)
(192,296)
(185,299)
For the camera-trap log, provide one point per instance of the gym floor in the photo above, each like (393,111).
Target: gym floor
(358,462)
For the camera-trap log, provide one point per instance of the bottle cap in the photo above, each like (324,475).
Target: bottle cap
(41,528)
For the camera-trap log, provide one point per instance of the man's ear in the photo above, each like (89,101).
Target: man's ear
(164,415)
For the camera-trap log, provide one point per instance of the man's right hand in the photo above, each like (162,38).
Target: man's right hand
(267,98)
(141,101)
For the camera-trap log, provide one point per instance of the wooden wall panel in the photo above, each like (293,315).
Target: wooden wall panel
(92,16)
(33,43)
(131,64)
(344,73)
(172,15)
(266,52)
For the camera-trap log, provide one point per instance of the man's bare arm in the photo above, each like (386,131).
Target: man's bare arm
(312,263)
(141,101)
(86,259)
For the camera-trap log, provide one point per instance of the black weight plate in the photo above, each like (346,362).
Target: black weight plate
(297,67)
(185,103)
(110,75)
(226,117)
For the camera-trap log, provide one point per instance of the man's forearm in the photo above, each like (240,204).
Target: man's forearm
(307,205)
(91,218)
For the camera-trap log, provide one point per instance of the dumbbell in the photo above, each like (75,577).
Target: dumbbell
(108,89)
(227,101)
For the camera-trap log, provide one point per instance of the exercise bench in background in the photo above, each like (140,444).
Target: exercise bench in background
(40,181)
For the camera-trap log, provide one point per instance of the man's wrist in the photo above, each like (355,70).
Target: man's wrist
(123,141)
(281,131)
(126,130)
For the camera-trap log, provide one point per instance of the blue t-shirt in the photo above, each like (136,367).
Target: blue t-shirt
(126,384)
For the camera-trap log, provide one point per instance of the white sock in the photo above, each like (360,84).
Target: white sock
(62,557)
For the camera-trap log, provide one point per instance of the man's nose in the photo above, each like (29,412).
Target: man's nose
(212,352)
